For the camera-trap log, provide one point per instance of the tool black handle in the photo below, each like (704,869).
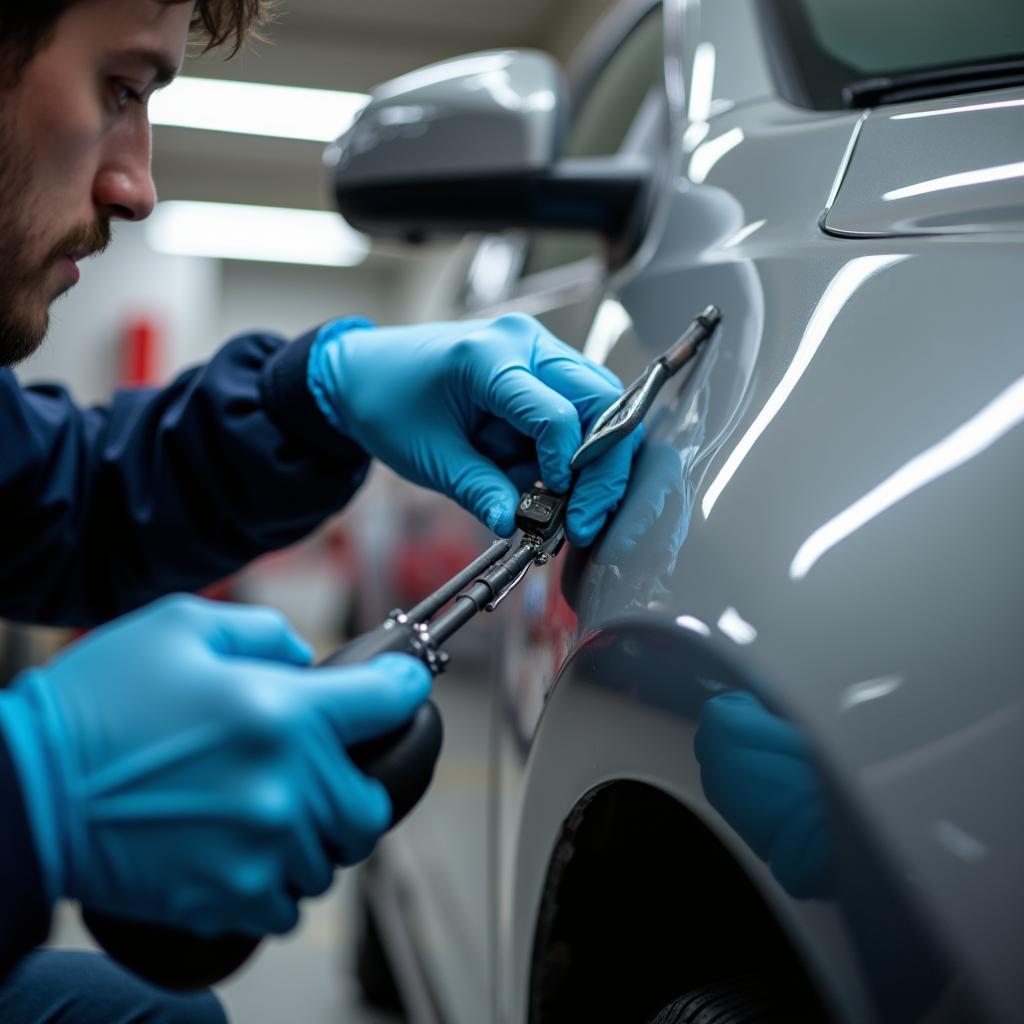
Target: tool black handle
(402,761)
(170,957)
(392,637)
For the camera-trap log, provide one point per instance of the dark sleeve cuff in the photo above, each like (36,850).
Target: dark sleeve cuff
(24,911)
(292,406)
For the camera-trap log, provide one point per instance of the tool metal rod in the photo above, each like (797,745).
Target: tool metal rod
(685,348)
(437,600)
(482,592)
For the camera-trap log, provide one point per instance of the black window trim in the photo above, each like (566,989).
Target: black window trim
(808,76)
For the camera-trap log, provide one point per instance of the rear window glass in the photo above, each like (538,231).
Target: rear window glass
(835,43)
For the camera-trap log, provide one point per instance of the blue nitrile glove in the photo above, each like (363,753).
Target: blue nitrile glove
(757,773)
(182,766)
(477,410)
(655,517)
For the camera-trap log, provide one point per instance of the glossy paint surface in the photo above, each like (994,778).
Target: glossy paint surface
(823,523)
(830,501)
(942,167)
(496,111)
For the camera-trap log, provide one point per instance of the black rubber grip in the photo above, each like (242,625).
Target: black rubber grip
(170,957)
(403,761)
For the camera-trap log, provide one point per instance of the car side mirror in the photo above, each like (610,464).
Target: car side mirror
(474,144)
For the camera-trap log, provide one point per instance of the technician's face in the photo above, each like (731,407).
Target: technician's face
(76,151)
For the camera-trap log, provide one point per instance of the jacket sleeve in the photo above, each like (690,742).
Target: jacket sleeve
(24,910)
(164,489)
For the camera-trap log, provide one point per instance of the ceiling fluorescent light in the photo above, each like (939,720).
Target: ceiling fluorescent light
(248,108)
(266,233)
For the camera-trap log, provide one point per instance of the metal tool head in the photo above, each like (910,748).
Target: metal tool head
(621,418)
(625,414)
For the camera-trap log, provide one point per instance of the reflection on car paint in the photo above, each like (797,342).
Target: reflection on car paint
(759,770)
(692,623)
(702,81)
(684,432)
(708,153)
(610,324)
(981,176)
(870,689)
(550,633)
(846,283)
(916,115)
(969,440)
(744,233)
(736,628)
(759,773)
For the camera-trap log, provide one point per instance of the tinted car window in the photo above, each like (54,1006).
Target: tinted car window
(831,44)
(600,126)
(876,36)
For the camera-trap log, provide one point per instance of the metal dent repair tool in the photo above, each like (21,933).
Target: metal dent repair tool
(622,417)
(403,761)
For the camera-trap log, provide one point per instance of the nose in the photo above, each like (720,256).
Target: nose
(123,188)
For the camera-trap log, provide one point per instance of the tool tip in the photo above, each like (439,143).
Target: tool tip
(711,315)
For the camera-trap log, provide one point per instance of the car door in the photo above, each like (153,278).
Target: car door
(446,886)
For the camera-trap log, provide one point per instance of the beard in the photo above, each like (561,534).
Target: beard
(27,287)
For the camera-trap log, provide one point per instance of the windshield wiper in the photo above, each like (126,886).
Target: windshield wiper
(922,85)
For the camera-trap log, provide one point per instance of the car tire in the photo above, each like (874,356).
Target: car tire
(373,972)
(750,999)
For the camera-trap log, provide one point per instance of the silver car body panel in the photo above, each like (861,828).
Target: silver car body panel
(491,112)
(847,376)
(826,512)
(939,168)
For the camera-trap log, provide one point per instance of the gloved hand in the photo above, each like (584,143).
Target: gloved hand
(181,766)
(478,411)
(655,518)
(757,773)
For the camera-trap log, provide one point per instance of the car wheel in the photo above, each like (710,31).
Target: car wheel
(372,970)
(747,999)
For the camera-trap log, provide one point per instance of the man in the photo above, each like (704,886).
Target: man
(183,765)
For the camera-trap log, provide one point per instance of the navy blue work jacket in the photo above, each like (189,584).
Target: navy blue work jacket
(163,490)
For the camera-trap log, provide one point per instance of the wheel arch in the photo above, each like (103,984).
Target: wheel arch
(613,755)
(622,929)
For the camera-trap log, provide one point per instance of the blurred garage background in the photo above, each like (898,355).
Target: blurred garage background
(168,293)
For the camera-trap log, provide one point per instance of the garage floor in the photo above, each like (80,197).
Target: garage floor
(305,978)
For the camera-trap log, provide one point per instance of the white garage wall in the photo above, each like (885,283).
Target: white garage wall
(290,299)
(128,280)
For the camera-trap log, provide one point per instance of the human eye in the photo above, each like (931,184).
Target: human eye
(123,95)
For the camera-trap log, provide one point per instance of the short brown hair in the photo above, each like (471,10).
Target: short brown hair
(25,27)
(231,22)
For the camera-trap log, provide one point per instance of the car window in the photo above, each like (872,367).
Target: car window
(601,124)
(876,36)
(831,44)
